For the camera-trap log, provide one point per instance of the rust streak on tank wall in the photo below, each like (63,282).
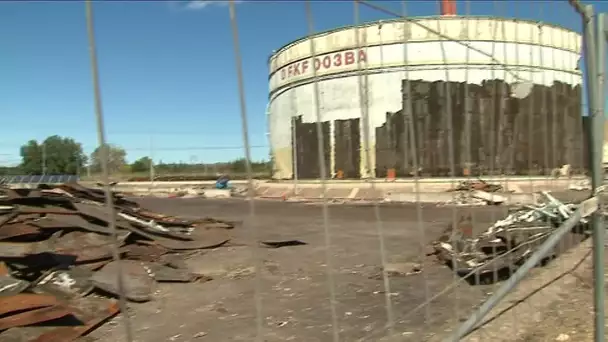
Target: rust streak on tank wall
(499,145)
(347,136)
(307,145)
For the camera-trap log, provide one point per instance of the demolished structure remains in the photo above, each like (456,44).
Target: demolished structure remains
(423,106)
(495,254)
(56,258)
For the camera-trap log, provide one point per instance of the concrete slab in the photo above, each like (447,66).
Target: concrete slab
(274,193)
(339,193)
(401,190)
(309,192)
(217,193)
(443,197)
(261,190)
(371,194)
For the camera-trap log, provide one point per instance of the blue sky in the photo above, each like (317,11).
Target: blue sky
(167,69)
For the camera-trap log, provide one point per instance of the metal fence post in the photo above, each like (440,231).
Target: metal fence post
(294,157)
(595,80)
(594,66)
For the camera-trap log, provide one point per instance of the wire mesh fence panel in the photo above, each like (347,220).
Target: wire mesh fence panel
(421,178)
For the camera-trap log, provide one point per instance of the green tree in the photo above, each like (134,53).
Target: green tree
(238,165)
(56,155)
(31,158)
(116,159)
(141,165)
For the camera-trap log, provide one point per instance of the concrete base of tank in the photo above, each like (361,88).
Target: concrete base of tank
(516,191)
(429,190)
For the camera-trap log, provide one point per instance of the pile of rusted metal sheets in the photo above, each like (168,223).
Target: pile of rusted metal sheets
(57,258)
(497,252)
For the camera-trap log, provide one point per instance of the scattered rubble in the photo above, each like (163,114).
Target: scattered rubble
(56,258)
(504,246)
(582,185)
(478,184)
(193,192)
(476,197)
(477,192)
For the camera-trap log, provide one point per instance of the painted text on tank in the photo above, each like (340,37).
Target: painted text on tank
(325,62)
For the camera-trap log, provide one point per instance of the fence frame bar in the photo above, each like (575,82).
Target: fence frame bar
(595,132)
(595,48)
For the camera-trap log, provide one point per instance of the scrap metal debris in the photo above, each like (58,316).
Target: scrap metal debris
(56,258)
(504,246)
(478,184)
(279,244)
(477,192)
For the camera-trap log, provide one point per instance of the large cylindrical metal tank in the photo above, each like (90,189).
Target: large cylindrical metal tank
(364,76)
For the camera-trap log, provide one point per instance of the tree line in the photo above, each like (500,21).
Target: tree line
(63,155)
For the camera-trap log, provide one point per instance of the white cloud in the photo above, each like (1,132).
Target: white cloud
(201,4)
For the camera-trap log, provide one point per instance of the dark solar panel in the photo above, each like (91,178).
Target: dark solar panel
(36,179)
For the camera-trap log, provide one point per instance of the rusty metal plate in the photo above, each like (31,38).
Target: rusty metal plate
(282,243)
(100,213)
(85,246)
(78,221)
(55,192)
(91,311)
(34,316)
(137,279)
(10,286)
(35,193)
(203,239)
(72,283)
(160,218)
(10,193)
(81,191)
(18,250)
(7,218)
(95,265)
(143,252)
(25,301)
(4,270)
(47,210)
(214,225)
(12,230)
(49,222)
(154,228)
(25,218)
(165,273)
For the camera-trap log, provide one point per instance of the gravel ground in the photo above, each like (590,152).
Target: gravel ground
(293,285)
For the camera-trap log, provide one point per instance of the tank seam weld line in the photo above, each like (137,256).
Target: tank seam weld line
(398,20)
(381,69)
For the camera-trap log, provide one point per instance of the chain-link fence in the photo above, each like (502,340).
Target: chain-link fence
(430,179)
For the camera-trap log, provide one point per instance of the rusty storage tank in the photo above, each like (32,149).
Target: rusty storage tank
(486,54)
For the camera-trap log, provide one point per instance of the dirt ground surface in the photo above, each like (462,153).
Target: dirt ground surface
(569,317)
(555,304)
(294,285)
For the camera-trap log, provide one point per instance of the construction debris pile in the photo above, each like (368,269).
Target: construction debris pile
(503,247)
(56,258)
(477,192)
(581,185)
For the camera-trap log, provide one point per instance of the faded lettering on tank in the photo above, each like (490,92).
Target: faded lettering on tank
(323,63)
